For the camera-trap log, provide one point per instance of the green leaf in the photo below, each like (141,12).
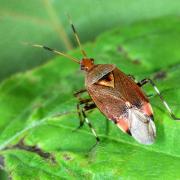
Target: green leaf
(38,109)
(45,22)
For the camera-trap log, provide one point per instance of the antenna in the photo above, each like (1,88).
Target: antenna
(77,37)
(54,51)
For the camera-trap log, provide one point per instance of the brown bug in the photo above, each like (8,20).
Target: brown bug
(117,96)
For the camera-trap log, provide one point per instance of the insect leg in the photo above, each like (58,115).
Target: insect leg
(79,111)
(88,105)
(90,125)
(145,81)
(81,120)
(81,101)
(131,77)
(84,119)
(78,94)
(80,91)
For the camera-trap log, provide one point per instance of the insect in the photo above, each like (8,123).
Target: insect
(116,95)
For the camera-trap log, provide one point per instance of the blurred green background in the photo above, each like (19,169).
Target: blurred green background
(45,22)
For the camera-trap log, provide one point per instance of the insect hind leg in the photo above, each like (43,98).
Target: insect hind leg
(88,104)
(84,119)
(91,127)
(147,80)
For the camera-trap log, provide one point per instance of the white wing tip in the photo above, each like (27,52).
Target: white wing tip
(142,127)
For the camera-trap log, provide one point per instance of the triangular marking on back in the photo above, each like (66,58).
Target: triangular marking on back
(107,80)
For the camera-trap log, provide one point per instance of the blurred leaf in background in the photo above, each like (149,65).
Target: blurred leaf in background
(38,112)
(45,21)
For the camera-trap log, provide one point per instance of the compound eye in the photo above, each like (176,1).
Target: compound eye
(107,80)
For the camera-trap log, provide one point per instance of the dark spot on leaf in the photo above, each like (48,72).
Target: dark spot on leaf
(67,157)
(1,162)
(37,105)
(34,149)
(136,61)
(120,49)
(124,52)
(160,75)
(3,171)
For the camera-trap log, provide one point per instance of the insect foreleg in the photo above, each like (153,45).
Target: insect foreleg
(79,93)
(87,105)
(145,81)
